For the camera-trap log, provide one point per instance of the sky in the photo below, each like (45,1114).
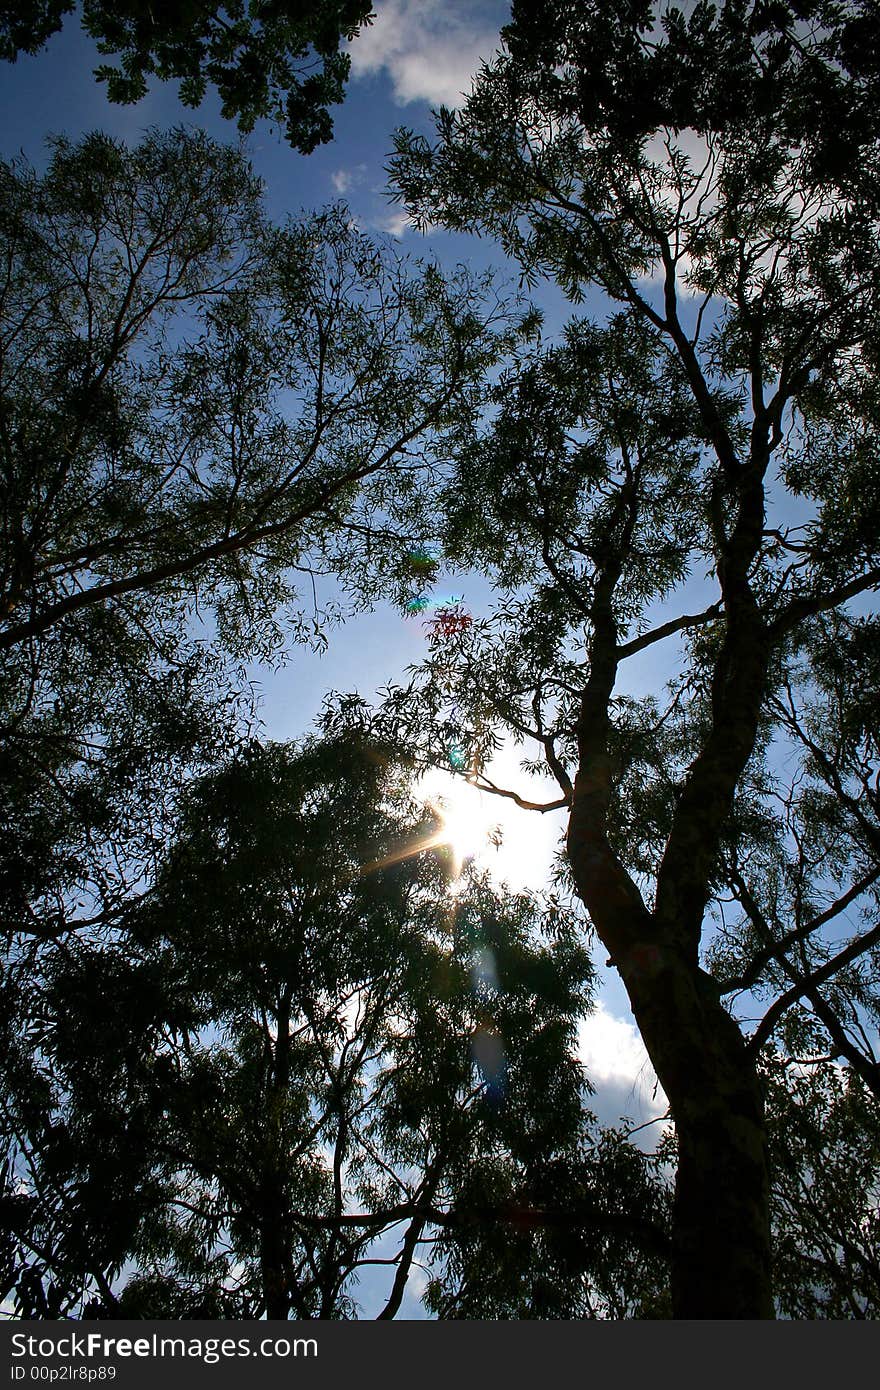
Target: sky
(416,55)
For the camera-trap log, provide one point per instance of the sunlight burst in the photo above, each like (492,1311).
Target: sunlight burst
(467,826)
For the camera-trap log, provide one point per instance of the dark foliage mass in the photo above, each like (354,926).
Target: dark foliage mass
(276,59)
(201,416)
(238,1044)
(298,1041)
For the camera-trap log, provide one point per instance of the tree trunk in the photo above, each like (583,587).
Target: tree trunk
(273,1254)
(721,1221)
(721,1226)
(721,1217)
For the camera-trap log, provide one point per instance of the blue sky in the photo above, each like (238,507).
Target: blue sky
(417,54)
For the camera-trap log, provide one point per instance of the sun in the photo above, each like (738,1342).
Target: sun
(514,846)
(468,823)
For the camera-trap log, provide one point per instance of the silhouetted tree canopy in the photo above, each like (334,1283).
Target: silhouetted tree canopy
(276,59)
(253,1037)
(202,416)
(299,1043)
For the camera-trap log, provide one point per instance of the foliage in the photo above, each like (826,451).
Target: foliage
(609,1264)
(810,67)
(248,1034)
(300,1042)
(185,384)
(266,58)
(201,416)
(825,1143)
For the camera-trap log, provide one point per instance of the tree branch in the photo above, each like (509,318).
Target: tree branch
(801,608)
(658,634)
(775,948)
(818,977)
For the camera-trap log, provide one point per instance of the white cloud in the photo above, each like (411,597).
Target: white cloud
(429,48)
(616,1062)
(343,180)
(395,223)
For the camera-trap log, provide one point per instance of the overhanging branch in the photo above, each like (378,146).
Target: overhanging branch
(657,634)
(813,981)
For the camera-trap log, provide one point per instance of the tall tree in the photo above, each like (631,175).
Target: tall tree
(713,176)
(302,1042)
(266,58)
(183,384)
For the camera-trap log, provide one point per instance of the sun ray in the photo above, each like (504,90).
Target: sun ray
(463,828)
(419,846)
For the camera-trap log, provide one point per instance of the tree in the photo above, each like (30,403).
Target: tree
(825,1164)
(199,412)
(266,58)
(720,416)
(302,1041)
(168,352)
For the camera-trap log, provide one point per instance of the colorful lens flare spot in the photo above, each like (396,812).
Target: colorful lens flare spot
(418,604)
(422,559)
(449,621)
(457,756)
